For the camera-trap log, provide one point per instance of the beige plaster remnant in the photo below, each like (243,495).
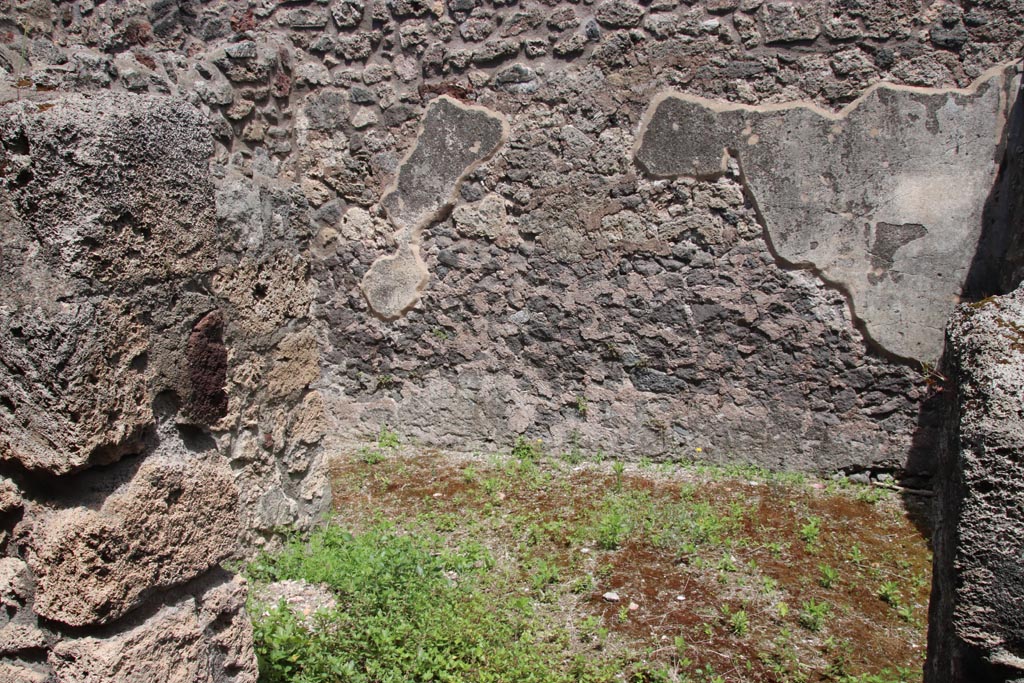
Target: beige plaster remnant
(453,140)
(883,199)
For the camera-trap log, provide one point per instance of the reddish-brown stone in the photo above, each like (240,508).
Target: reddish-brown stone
(207,369)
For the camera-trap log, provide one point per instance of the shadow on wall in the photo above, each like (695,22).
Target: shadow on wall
(998,265)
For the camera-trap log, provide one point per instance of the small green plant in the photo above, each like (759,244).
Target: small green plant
(575,453)
(370,456)
(581,406)
(828,576)
(782,609)
(527,451)
(906,613)
(618,467)
(613,526)
(856,555)
(889,592)
(870,494)
(387,439)
(592,629)
(810,531)
(543,574)
(739,623)
(583,584)
(813,614)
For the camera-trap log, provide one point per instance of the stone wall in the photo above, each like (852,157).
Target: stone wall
(239,235)
(117,505)
(565,292)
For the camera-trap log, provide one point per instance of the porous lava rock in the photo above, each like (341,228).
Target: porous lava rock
(977,605)
(172,521)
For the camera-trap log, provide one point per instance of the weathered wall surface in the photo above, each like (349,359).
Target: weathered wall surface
(238,233)
(563,292)
(884,199)
(117,507)
(977,607)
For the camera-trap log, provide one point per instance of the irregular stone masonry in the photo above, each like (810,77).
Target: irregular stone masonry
(547,286)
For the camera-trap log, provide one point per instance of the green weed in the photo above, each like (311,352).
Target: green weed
(813,614)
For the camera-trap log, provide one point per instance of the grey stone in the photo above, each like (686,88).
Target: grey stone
(517,78)
(535,48)
(477,29)
(894,222)
(786,22)
(619,14)
(494,51)
(977,606)
(361,95)
(327,110)
(453,140)
(347,13)
(393,284)
(242,50)
(83,234)
(562,19)
(357,47)
(569,46)
(520,23)
(952,38)
(303,18)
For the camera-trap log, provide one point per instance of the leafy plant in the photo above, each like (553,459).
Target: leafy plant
(889,592)
(613,526)
(387,439)
(526,450)
(618,467)
(581,406)
(810,531)
(739,623)
(813,614)
(400,616)
(828,577)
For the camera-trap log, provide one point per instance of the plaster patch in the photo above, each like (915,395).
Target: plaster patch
(454,139)
(884,199)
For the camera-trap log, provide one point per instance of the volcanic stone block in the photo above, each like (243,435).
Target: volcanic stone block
(976,628)
(103,197)
(884,199)
(393,283)
(171,522)
(184,642)
(94,179)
